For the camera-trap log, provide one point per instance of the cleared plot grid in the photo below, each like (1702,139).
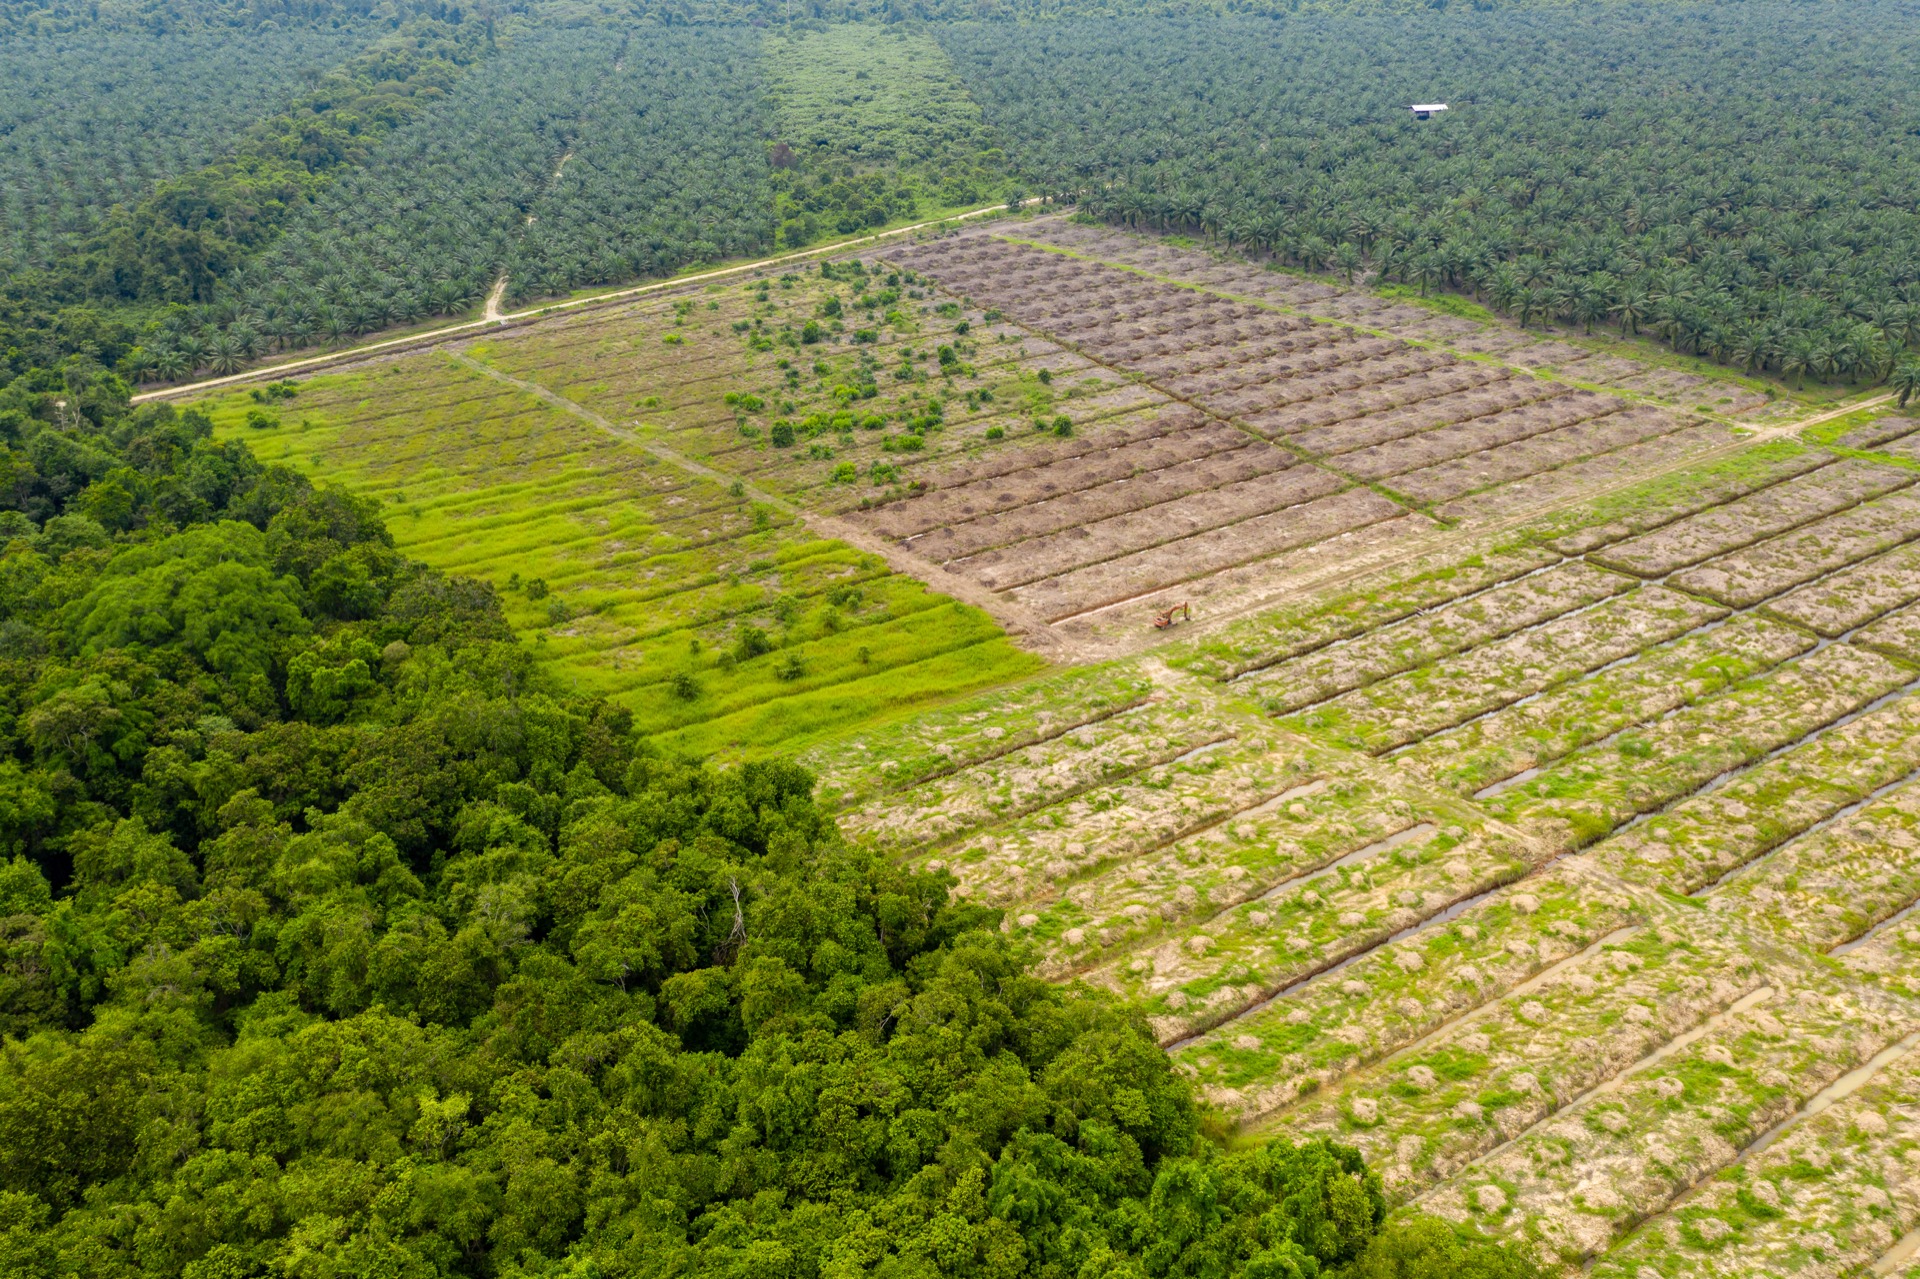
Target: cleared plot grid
(1378,430)
(1518,872)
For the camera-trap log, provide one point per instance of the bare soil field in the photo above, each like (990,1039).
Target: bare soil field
(1375,394)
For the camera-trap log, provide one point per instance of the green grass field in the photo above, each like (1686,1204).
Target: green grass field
(728,628)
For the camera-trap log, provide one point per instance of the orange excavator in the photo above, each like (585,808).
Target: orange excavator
(1182,612)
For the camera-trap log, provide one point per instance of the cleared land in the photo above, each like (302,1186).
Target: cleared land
(1335,430)
(1531,802)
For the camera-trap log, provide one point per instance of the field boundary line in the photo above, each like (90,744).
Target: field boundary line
(1001,752)
(515,319)
(1838,1090)
(1012,617)
(1460,1021)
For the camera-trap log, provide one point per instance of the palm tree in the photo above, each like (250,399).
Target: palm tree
(1631,306)
(1905,379)
(1797,355)
(1430,271)
(170,365)
(225,355)
(1590,305)
(1503,288)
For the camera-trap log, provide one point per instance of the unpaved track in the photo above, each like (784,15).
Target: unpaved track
(466,328)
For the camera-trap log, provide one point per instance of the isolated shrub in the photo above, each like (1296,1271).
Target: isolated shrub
(537,588)
(685,686)
(261,420)
(751,642)
(791,668)
(781,434)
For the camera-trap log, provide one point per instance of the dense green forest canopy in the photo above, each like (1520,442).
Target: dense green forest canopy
(872,125)
(335,941)
(1740,180)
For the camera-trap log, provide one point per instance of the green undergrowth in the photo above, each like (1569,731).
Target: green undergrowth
(1289,631)
(1445,303)
(1669,496)
(873,127)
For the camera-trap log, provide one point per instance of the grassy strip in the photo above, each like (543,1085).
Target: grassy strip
(1379,1004)
(1759,572)
(1675,496)
(1109,827)
(936,743)
(1832,887)
(1508,742)
(1425,1114)
(1293,684)
(1703,837)
(1830,1197)
(1182,887)
(1035,777)
(780,727)
(1580,1180)
(1897,633)
(1421,702)
(1586,795)
(1200,977)
(1279,634)
(1753,518)
(1856,595)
